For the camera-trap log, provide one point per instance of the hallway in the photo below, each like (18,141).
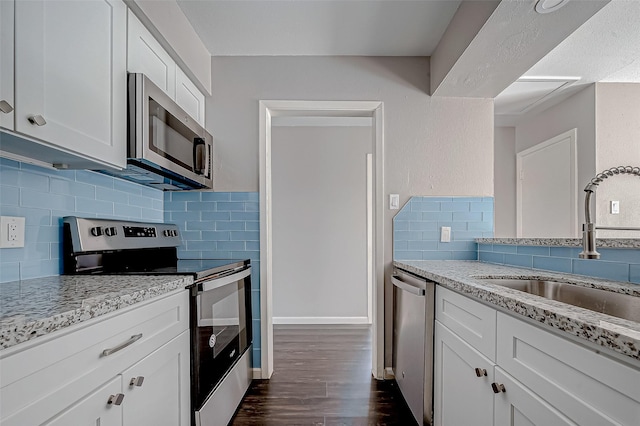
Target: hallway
(322,376)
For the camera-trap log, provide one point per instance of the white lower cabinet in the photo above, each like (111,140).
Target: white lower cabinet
(537,377)
(130,367)
(518,406)
(92,410)
(462,384)
(156,389)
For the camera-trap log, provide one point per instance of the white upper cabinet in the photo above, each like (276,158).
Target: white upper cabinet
(145,55)
(7,103)
(70,76)
(188,97)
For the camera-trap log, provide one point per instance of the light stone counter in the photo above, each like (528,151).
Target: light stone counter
(619,335)
(618,243)
(35,307)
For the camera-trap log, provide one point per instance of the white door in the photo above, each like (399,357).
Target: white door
(461,396)
(6,64)
(547,193)
(161,396)
(70,64)
(518,406)
(93,409)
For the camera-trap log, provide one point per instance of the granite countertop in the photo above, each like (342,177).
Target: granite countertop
(619,335)
(35,307)
(618,243)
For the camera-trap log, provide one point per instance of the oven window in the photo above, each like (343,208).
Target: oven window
(169,137)
(222,313)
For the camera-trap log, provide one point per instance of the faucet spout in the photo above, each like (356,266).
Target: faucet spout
(589,227)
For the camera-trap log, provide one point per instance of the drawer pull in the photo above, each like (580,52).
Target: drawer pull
(37,120)
(115,399)
(480,372)
(5,107)
(137,381)
(498,387)
(122,345)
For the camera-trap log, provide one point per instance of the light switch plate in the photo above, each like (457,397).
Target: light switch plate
(394,201)
(445,234)
(11,232)
(615,207)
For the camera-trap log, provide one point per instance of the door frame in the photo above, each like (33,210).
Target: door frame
(573,171)
(279,108)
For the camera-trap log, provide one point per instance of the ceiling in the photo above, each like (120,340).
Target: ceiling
(605,48)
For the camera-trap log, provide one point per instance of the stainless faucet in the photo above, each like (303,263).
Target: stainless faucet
(589,227)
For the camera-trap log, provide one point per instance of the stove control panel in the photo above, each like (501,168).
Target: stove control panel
(93,235)
(139,231)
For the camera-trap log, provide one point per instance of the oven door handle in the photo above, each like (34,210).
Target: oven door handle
(221,282)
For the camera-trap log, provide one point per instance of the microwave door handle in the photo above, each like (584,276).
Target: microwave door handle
(199,151)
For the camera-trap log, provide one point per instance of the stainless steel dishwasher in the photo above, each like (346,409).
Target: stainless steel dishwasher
(414,300)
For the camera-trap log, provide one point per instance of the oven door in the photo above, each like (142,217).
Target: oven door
(221,330)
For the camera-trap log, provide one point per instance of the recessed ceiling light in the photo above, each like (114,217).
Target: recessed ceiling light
(548,6)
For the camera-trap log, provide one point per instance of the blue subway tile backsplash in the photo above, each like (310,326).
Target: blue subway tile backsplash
(220,225)
(44,196)
(614,264)
(416,227)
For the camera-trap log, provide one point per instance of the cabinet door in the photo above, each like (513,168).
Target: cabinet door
(70,76)
(162,397)
(145,55)
(188,97)
(461,397)
(6,64)
(518,406)
(93,409)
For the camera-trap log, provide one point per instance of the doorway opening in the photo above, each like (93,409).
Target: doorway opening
(269,110)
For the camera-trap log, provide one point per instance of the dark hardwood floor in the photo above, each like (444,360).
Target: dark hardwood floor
(322,376)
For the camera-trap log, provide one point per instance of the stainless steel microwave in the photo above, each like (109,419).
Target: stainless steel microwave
(166,148)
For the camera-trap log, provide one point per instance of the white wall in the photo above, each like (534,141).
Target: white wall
(618,144)
(578,111)
(504,169)
(433,145)
(319,224)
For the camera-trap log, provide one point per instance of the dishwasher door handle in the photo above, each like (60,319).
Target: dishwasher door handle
(402,285)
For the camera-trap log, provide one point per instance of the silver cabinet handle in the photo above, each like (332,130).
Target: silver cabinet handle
(5,107)
(122,345)
(115,399)
(498,387)
(136,381)
(480,372)
(37,120)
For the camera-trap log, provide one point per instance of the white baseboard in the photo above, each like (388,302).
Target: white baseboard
(388,373)
(257,373)
(321,320)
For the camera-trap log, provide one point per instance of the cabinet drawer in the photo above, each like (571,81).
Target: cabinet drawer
(474,322)
(73,359)
(589,388)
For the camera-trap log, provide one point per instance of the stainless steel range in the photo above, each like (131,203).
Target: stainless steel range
(220,302)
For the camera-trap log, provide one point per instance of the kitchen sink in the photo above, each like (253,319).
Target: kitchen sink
(607,302)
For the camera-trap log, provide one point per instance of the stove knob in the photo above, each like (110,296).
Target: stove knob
(174,233)
(111,231)
(96,232)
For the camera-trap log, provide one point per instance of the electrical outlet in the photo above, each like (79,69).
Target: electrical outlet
(11,232)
